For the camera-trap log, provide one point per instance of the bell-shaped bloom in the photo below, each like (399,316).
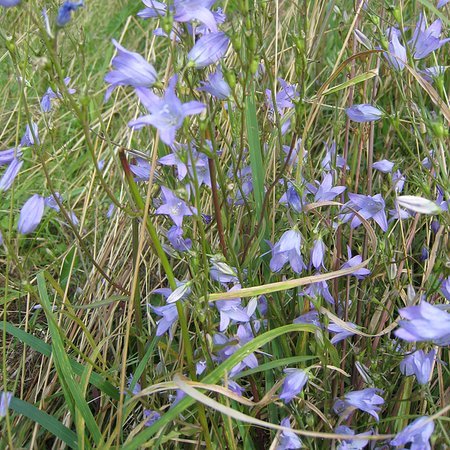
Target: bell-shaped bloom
(189,10)
(141,169)
(209,49)
(10,174)
(424,322)
(174,207)
(166,113)
(216,86)
(325,190)
(7,156)
(293,384)
(366,400)
(151,417)
(317,254)
(431,73)
(397,53)
(287,249)
(232,311)
(130,69)
(50,94)
(426,40)
(31,135)
(9,3)
(352,444)
(364,113)
(418,204)
(288,439)
(419,364)
(31,214)
(222,272)
(341,333)
(5,400)
(175,237)
(360,274)
(153,9)
(284,98)
(65,12)
(384,166)
(369,207)
(417,433)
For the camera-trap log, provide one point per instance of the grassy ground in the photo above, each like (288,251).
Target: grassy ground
(68,361)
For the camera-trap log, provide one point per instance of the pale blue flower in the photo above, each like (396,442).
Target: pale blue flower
(167,113)
(419,364)
(65,12)
(5,399)
(130,69)
(287,249)
(209,49)
(9,3)
(10,174)
(293,384)
(364,113)
(417,433)
(216,86)
(174,207)
(366,400)
(287,439)
(384,166)
(31,214)
(426,40)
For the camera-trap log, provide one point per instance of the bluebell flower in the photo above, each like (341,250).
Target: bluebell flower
(325,190)
(6,156)
(360,274)
(311,317)
(141,169)
(5,400)
(153,9)
(9,3)
(351,444)
(151,417)
(287,249)
(189,10)
(417,433)
(366,400)
(442,3)
(341,333)
(175,237)
(222,272)
(384,166)
(292,198)
(419,364)
(10,174)
(209,49)
(431,73)
(445,288)
(319,289)
(65,12)
(397,53)
(232,310)
(317,254)
(287,439)
(398,181)
(293,384)
(235,387)
(110,211)
(31,214)
(168,313)
(284,100)
(31,135)
(130,69)
(50,94)
(174,207)
(364,113)
(426,40)
(216,86)
(166,113)
(424,322)
(332,160)
(369,207)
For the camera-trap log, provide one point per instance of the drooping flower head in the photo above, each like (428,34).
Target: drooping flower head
(364,113)
(65,12)
(366,400)
(417,433)
(216,86)
(426,40)
(287,249)
(419,364)
(293,384)
(209,49)
(130,69)
(31,214)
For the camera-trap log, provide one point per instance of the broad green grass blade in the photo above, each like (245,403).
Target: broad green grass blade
(62,363)
(44,420)
(46,350)
(214,377)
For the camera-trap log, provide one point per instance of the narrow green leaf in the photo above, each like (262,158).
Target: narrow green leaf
(214,377)
(62,365)
(435,11)
(46,350)
(45,420)
(355,80)
(254,148)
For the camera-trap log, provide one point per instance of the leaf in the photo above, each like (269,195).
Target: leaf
(71,388)
(46,349)
(214,377)
(45,420)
